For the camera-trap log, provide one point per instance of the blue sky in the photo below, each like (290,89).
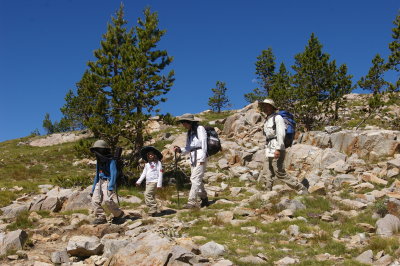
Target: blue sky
(46,44)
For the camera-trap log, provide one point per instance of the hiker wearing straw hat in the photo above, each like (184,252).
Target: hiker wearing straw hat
(196,145)
(153,173)
(273,167)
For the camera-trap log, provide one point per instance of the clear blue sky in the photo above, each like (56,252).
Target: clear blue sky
(46,44)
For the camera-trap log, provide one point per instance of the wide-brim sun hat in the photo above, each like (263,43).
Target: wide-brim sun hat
(147,149)
(268,101)
(188,117)
(99,144)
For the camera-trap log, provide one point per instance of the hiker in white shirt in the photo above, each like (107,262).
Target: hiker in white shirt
(273,167)
(196,145)
(153,173)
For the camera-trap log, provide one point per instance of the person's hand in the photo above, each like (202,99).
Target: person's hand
(277,154)
(202,163)
(91,194)
(177,149)
(137,184)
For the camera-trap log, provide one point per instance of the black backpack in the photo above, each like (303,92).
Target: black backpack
(213,141)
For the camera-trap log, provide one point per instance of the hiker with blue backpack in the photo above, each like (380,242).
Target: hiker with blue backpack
(105,184)
(279,130)
(196,145)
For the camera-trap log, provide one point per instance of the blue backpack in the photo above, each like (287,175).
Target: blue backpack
(290,127)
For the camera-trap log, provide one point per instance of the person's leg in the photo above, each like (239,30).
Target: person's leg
(282,175)
(196,180)
(149,197)
(202,191)
(110,200)
(97,198)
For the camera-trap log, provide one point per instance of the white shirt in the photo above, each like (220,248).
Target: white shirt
(197,146)
(153,173)
(280,132)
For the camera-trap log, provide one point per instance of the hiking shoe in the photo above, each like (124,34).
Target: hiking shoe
(118,220)
(189,206)
(100,220)
(204,202)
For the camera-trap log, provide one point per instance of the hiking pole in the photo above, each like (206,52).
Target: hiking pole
(176,176)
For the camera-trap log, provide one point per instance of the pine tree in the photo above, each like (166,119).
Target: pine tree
(281,91)
(341,85)
(374,81)
(47,124)
(394,57)
(219,99)
(311,82)
(123,86)
(265,70)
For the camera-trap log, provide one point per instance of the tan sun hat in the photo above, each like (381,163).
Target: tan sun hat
(269,101)
(188,117)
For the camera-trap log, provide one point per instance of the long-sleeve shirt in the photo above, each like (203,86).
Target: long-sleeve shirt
(197,146)
(276,137)
(153,172)
(112,179)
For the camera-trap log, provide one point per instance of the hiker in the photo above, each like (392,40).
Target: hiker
(153,173)
(104,185)
(196,145)
(273,167)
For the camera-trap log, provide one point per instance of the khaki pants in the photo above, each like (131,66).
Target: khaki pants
(101,194)
(197,189)
(149,197)
(274,169)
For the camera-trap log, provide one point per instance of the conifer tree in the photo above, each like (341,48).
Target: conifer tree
(281,90)
(47,124)
(265,70)
(219,99)
(341,85)
(374,80)
(124,84)
(394,46)
(311,82)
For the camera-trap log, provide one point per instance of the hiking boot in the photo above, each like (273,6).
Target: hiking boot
(118,220)
(204,202)
(189,206)
(100,220)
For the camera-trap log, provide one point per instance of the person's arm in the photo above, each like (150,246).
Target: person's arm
(142,176)
(113,176)
(186,149)
(202,136)
(280,132)
(160,175)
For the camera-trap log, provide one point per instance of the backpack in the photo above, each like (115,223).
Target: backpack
(118,162)
(290,127)
(213,141)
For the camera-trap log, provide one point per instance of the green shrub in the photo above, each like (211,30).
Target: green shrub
(21,222)
(82,148)
(72,181)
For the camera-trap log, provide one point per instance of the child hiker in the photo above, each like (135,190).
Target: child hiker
(153,173)
(104,185)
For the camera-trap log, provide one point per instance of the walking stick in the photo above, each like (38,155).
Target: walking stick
(176,176)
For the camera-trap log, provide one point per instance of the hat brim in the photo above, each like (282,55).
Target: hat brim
(93,149)
(264,104)
(188,119)
(147,149)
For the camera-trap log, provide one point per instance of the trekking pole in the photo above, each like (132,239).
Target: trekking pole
(176,176)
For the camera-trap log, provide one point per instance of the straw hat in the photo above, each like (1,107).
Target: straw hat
(268,101)
(188,117)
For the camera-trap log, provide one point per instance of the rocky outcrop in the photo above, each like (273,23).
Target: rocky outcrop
(59,138)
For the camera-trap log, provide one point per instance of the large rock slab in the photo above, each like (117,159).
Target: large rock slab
(14,240)
(367,144)
(388,225)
